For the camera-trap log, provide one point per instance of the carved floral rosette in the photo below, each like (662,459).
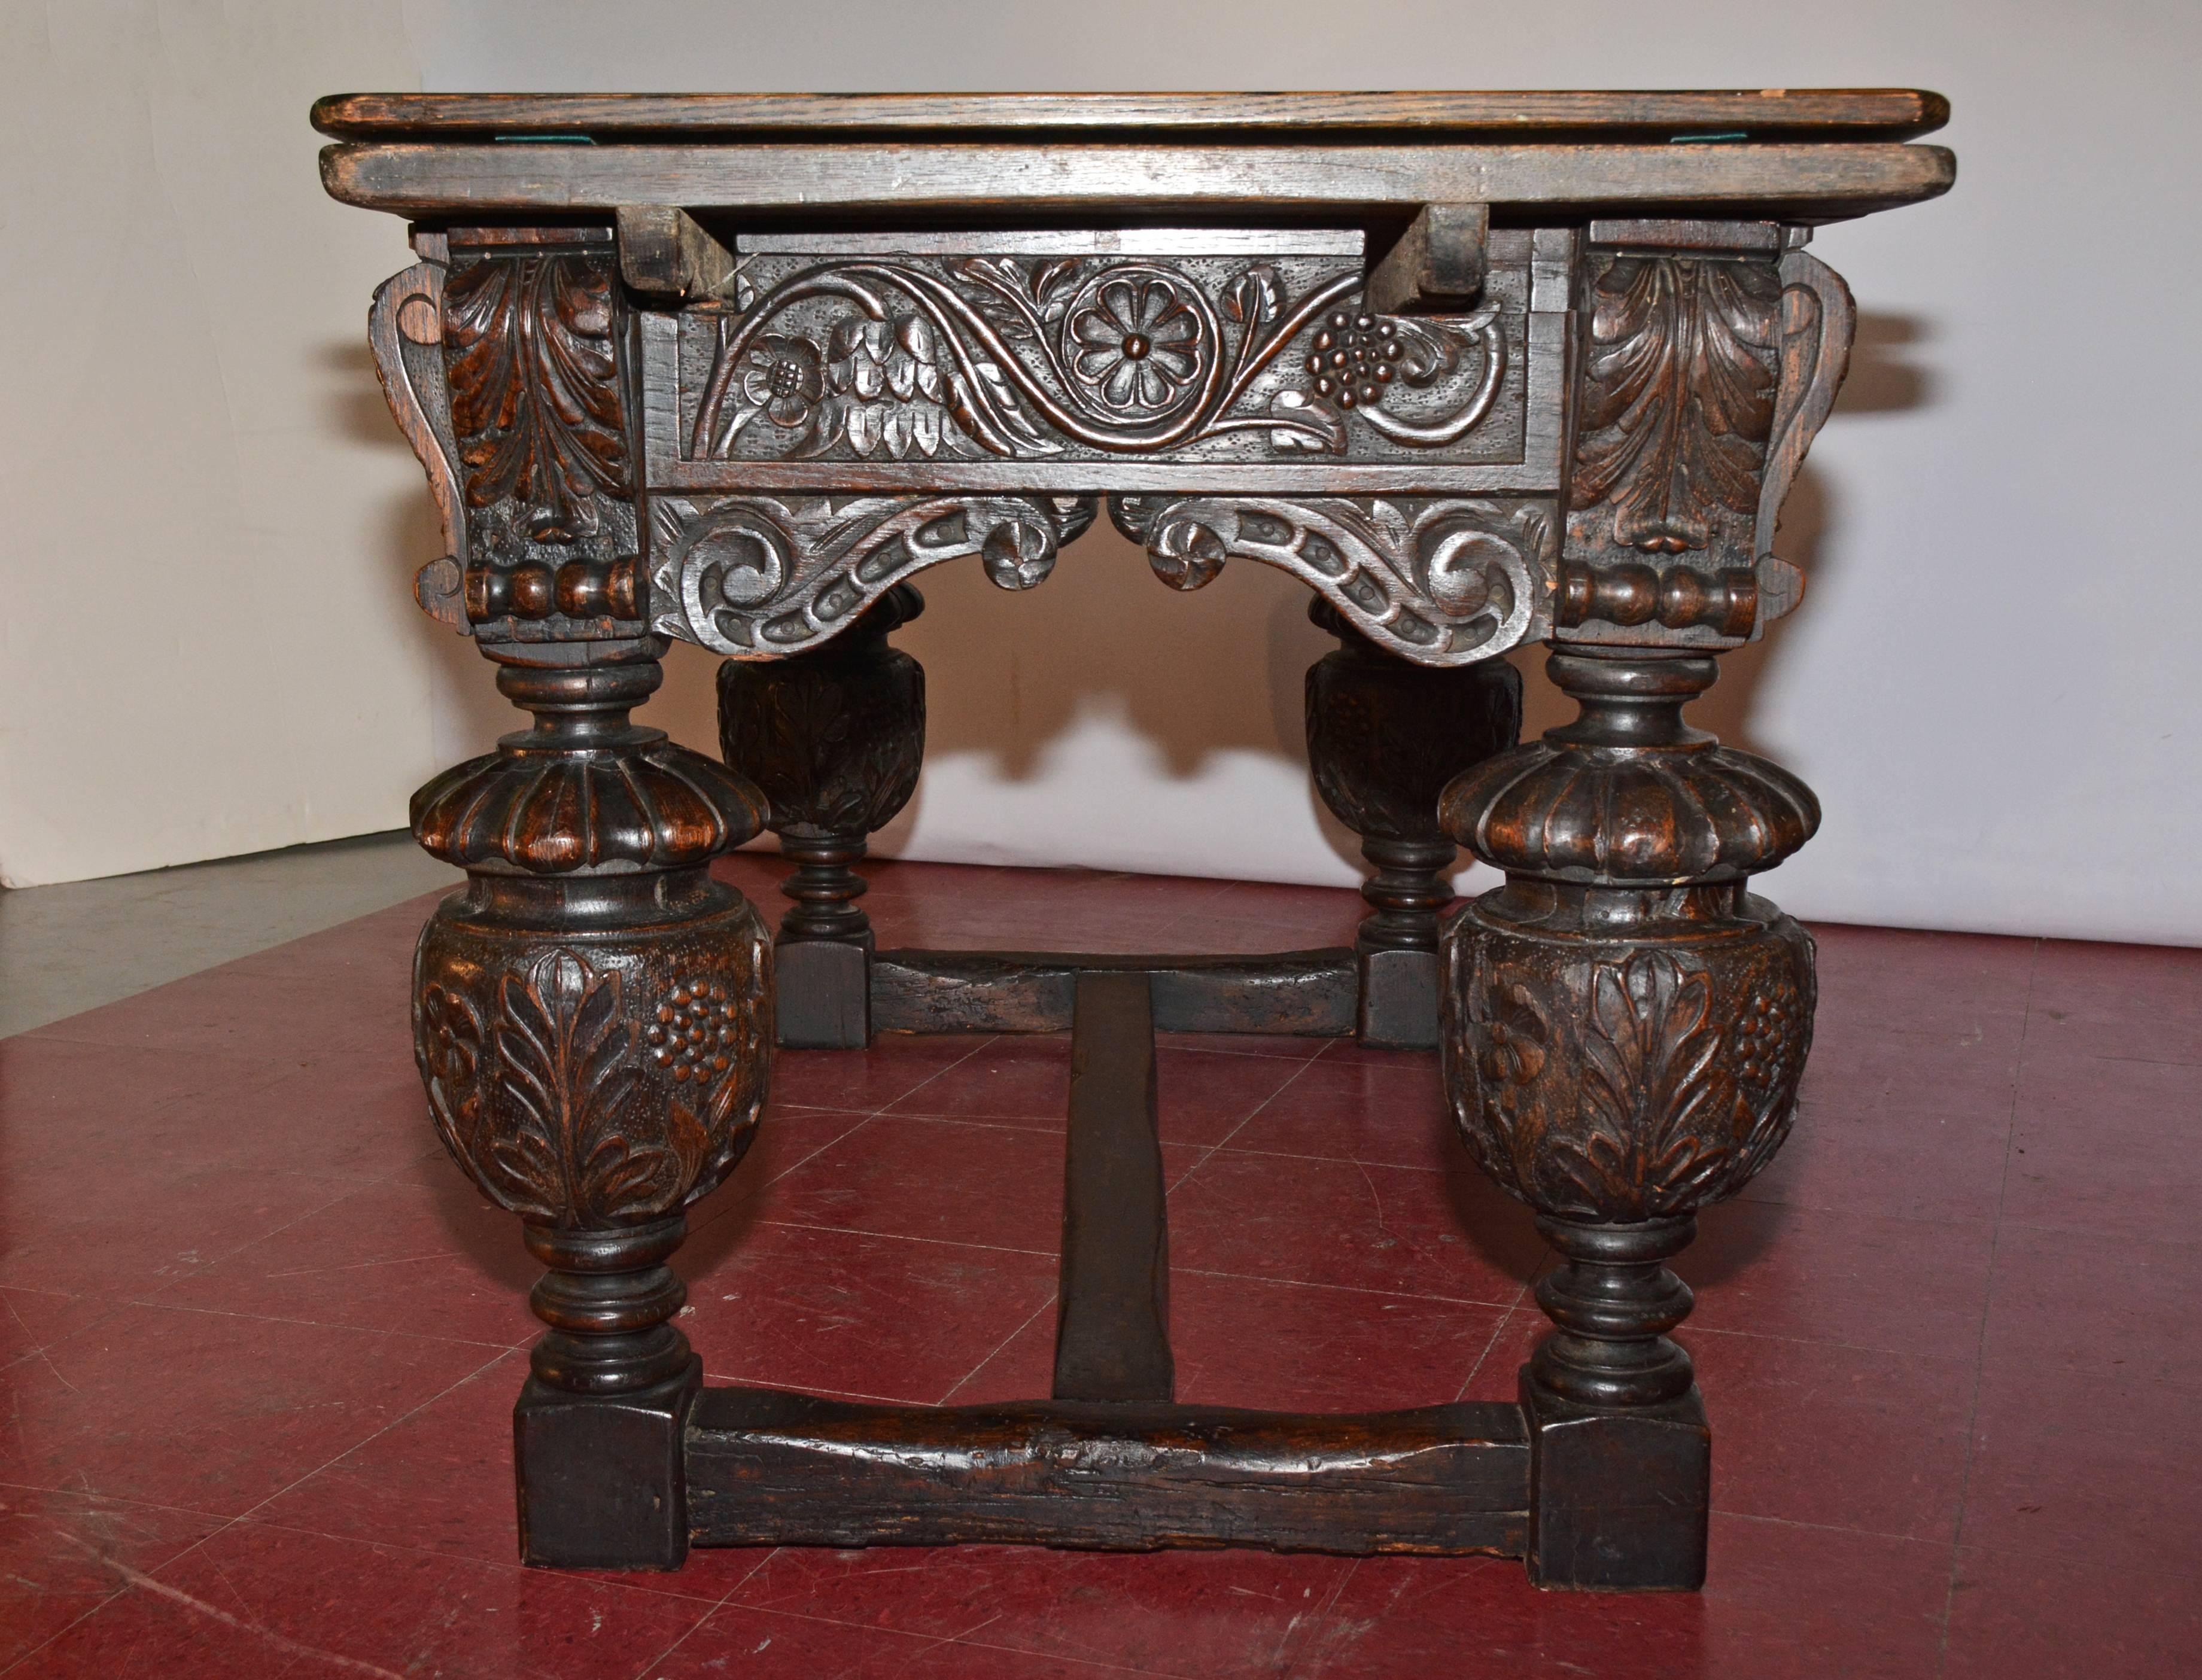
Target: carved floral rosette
(595,1080)
(1626,1079)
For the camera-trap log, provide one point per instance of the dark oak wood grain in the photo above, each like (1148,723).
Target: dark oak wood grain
(1112,1317)
(1794,182)
(1307,994)
(1888,113)
(768,1468)
(730,369)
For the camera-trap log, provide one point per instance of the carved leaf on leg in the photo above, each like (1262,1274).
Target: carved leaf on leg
(1609,1090)
(563,1051)
(1657,1106)
(567,1109)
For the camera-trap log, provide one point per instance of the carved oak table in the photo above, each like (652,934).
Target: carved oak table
(1480,369)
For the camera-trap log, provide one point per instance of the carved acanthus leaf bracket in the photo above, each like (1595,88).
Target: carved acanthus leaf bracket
(756,576)
(1706,372)
(1435,579)
(540,433)
(1677,401)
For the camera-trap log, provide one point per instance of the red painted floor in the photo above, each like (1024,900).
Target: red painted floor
(259,1340)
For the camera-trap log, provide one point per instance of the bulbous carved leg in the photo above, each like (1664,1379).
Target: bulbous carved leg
(835,739)
(1384,739)
(1624,1028)
(592,1018)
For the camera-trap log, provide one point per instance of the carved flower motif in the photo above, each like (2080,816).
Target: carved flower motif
(784,378)
(1138,341)
(1514,1042)
(1355,358)
(697,1032)
(450,1037)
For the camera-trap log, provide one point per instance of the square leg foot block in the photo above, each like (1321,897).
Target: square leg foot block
(1399,1000)
(824,995)
(603,1481)
(1617,1500)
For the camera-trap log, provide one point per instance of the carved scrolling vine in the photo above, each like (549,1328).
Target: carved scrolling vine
(758,575)
(1678,401)
(1440,580)
(1025,359)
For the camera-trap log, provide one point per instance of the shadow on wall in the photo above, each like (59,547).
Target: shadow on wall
(1009,675)
(468,712)
(1883,380)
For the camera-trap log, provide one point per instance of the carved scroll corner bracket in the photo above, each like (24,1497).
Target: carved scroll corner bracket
(756,576)
(1438,581)
(405,331)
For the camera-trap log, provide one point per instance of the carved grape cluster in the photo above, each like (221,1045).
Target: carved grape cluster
(1355,358)
(1765,1038)
(697,1032)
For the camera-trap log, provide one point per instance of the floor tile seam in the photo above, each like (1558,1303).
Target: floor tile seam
(253,1626)
(1315,1659)
(734,1204)
(1852,1210)
(1687,1329)
(228,1255)
(899,1236)
(1080,1665)
(94,1494)
(932,1641)
(1819,1528)
(2063,1549)
(160,1305)
(1255,1055)
(734,1379)
(1347,1289)
(127,1586)
(1490,1343)
(1030,1319)
(2145,1061)
(716,1604)
(1987,1310)
(368,1439)
(62,1632)
(992,1122)
(710,1600)
(935,1641)
(2124,1238)
(1259,1109)
(1336,1160)
(947,1068)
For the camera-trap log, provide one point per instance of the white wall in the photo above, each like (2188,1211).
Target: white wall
(205,644)
(1987,683)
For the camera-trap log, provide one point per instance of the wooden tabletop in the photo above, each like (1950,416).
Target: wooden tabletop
(1813,155)
(1785,113)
